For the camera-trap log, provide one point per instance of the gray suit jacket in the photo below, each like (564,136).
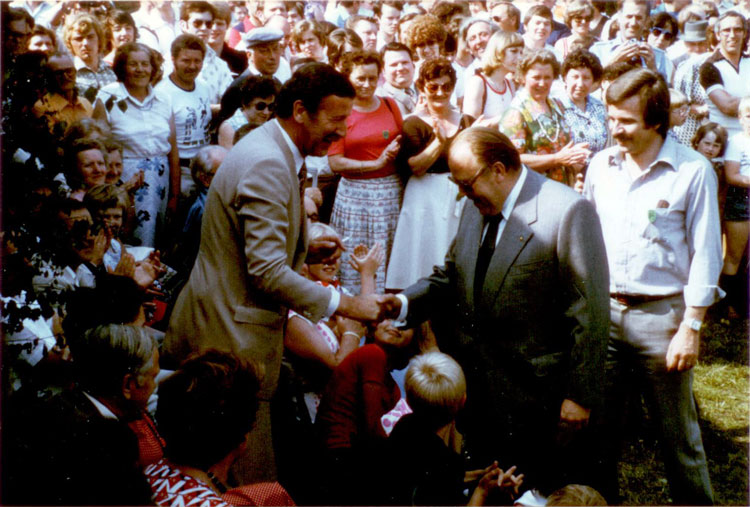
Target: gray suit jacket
(543,318)
(253,242)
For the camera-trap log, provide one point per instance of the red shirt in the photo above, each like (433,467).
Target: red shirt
(367,135)
(361,390)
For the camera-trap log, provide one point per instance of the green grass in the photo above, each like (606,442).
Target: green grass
(722,389)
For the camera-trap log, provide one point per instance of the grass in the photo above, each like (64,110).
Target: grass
(722,389)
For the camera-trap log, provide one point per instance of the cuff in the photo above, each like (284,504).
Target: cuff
(401,320)
(702,295)
(713,88)
(333,304)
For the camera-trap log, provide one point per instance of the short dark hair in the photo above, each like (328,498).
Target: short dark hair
(337,39)
(653,92)
(352,21)
(188,8)
(662,20)
(187,41)
(434,68)
(360,58)
(310,84)
(43,30)
(583,59)
(615,70)
(207,407)
(15,14)
(121,59)
(718,130)
(395,46)
(121,18)
(541,57)
(538,10)
(490,146)
(396,4)
(258,86)
(444,11)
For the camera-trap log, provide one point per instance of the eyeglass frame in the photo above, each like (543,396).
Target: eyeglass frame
(468,186)
(662,31)
(446,88)
(271,106)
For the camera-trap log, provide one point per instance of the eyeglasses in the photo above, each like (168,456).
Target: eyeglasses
(260,106)
(657,31)
(200,23)
(432,88)
(466,186)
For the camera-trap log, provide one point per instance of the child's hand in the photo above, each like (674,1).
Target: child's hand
(126,265)
(494,478)
(135,182)
(367,262)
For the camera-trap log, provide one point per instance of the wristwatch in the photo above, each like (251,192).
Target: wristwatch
(693,324)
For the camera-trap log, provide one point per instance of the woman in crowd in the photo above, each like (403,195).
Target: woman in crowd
(121,29)
(84,37)
(662,30)
(535,123)
(585,115)
(141,120)
(425,38)
(309,40)
(43,39)
(578,16)
(490,91)
(85,166)
(368,199)
(258,99)
(430,212)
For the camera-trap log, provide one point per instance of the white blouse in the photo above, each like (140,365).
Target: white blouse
(141,126)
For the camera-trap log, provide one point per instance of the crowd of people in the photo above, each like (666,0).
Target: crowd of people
(391,252)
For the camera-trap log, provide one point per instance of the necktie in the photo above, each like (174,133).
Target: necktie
(485,254)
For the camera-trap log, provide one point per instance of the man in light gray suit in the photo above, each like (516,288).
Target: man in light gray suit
(526,278)
(254,241)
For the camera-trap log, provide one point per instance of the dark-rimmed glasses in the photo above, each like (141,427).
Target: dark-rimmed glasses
(467,186)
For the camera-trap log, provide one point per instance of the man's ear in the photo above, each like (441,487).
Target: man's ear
(299,113)
(500,168)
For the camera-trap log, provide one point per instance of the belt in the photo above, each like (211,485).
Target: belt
(637,299)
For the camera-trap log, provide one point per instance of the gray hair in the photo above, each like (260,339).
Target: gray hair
(105,354)
(207,160)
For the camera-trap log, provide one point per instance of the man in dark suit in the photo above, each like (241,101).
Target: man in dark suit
(254,242)
(526,281)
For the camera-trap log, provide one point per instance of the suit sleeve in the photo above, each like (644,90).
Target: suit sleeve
(261,203)
(584,269)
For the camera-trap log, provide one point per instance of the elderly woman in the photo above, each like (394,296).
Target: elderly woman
(578,16)
(121,28)
(257,99)
(84,37)
(85,166)
(368,199)
(141,119)
(490,91)
(429,216)
(585,115)
(309,40)
(536,125)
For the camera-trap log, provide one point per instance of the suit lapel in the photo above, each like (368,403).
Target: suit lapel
(472,235)
(515,237)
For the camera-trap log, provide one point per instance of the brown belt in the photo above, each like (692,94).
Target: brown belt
(637,299)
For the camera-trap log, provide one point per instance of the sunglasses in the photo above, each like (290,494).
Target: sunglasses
(467,186)
(200,23)
(260,106)
(434,87)
(657,31)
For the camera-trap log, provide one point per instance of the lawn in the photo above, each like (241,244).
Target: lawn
(722,389)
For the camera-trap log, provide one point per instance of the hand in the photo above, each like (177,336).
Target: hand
(625,53)
(94,253)
(125,266)
(492,478)
(389,152)
(344,325)
(368,263)
(315,194)
(135,182)
(370,308)
(492,122)
(437,128)
(322,249)
(148,270)
(647,54)
(574,155)
(682,353)
(573,415)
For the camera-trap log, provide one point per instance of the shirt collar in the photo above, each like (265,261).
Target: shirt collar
(101,407)
(79,64)
(510,201)
(667,157)
(126,94)
(403,91)
(298,158)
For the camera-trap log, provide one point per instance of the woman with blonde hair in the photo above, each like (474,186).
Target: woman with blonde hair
(490,90)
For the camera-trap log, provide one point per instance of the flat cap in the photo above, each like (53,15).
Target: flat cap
(262,35)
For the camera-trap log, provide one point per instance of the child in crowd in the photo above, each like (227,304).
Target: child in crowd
(108,206)
(113,157)
(425,466)
(576,494)
(678,111)
(710,140)
(360,392)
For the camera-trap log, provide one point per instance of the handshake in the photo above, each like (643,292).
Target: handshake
(370,308)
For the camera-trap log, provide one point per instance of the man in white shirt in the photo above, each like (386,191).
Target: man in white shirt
(191,102)
(656,201)
(389,13)
(367,29)
(197,18)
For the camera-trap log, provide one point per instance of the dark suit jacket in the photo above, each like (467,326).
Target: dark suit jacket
(538,334)
(237,60)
